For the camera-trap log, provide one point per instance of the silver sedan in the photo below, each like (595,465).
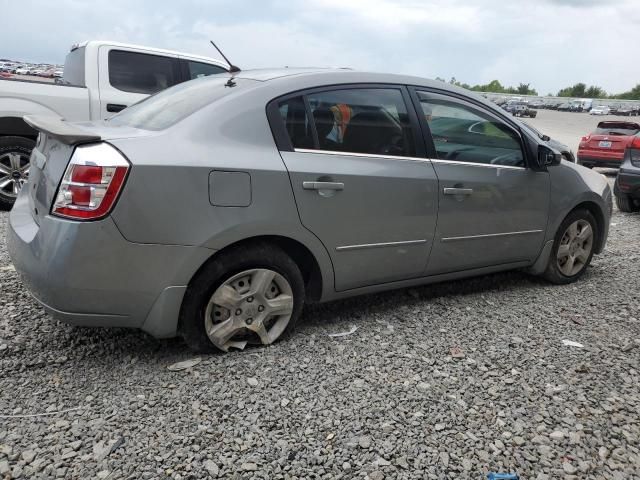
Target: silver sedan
(216,209)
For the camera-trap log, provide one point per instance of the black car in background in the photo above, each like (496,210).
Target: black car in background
(627,186)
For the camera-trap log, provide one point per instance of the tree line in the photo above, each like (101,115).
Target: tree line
(580,90)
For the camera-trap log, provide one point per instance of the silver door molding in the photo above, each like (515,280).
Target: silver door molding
(490,235)
(380,245)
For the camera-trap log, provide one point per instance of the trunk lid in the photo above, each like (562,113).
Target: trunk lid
(51,155)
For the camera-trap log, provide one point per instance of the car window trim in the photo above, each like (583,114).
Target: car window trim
(281,136)
(361,155)
(468,102)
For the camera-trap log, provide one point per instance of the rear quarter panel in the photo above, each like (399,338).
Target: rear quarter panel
(166,199)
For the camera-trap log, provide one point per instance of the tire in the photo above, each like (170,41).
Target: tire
(554,273)
(626,204)
(199,310)
(10,147)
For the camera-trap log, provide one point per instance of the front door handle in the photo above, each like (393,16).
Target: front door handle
(114,107)
(457,191)
(323,185)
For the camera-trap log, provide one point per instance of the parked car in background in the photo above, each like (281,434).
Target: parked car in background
(564,107)
(99,238)
(22,71)
(627,111)
(600,110)
(605,146)
(100,79)
(58,73)
(521,109)
(627,186)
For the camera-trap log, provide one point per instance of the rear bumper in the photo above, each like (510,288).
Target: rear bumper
(589,159)
(628,183)
(88,274)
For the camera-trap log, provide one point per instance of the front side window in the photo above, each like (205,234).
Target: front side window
(466,134)
(370,121)
(140,72)
(199,69)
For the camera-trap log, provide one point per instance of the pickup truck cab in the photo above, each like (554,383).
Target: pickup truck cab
(100,78)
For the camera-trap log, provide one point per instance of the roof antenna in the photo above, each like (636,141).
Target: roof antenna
(232,67)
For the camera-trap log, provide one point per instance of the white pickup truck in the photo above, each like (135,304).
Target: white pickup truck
(100,78)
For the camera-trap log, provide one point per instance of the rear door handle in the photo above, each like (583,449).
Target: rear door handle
(323,185)
(457,191)
(114,107)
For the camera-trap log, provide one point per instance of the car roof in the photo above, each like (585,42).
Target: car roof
(289,80)
(340,75)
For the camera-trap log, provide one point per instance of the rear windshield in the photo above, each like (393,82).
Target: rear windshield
(74,68)
(616,128)
(168,107)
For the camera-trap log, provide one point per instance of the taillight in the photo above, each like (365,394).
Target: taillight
(585,138)
(91,183)
(634,151)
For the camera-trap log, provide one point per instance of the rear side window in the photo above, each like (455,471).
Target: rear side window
(296,122)
(360,120)
(74,68)
(199,69)
(140,72)
(466,134)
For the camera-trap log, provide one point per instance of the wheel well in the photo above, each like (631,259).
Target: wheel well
(595,210)
(300,254)
(16,126)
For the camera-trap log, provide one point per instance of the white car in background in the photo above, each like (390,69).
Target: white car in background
(600,110)
(23,71)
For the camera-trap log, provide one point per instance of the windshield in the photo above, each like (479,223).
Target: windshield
(168,107)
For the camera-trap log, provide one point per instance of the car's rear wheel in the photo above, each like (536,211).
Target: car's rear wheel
(573,248)
(245,296)
(626,204)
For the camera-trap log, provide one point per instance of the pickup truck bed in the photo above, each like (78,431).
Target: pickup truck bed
(44,98)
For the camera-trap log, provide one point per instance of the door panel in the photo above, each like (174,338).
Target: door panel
(378,225)
(493,210)
(501,220)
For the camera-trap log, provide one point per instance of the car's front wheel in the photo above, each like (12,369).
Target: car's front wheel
(246,295)
(626,204)
(573,248)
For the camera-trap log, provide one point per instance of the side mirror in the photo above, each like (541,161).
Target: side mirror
(548,157)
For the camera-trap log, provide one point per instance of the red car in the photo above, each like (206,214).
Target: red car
(606,145)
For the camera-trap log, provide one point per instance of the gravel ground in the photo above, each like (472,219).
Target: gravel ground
(445,381)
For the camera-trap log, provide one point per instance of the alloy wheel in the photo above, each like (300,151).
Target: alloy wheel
(575,248)
(14,172)
(253,306)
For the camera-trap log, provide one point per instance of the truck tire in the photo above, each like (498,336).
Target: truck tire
(14,167)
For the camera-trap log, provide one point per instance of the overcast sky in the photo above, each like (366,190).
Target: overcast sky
(549,43)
